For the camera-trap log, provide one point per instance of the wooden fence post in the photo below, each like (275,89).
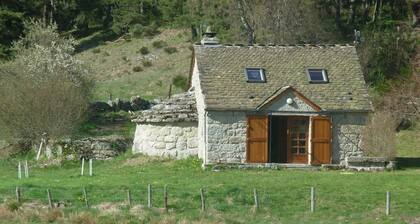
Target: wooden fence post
(312,199)
(85,198)
(203,200)
(129,197)
(165,198)
(49,198)
(149,196)
(256,200)
(388,203)
(26,169)
(17,194)
(19,171)
(90,167)
(83,167)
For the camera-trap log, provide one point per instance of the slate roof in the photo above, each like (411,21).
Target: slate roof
(224,84)
(180,107)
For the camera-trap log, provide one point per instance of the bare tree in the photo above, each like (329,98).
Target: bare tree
(244,11)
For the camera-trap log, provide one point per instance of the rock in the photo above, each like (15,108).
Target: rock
(137,103)
(90,148)
(99,107)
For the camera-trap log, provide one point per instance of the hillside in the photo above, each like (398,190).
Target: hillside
(119,68)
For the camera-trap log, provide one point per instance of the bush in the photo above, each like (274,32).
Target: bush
(144,50)
(44,89)
(170,50)
(137,30)
(159,44)
(151,30)
(379,136)
(147,63)
(180,82)
(96,50)
(137,69)
(106,53)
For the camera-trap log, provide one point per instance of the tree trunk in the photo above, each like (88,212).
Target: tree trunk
(377,11)
(337,6)
(353,11)
(366,7)
(245,22)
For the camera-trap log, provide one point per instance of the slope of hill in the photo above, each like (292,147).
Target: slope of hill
(121,69)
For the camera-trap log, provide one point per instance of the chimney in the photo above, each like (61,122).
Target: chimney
(209,38)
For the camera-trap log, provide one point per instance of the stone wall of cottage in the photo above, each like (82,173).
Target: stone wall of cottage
(347,135)
(201,116)
(177,140)
(226,137)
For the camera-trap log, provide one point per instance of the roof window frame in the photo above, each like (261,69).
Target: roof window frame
(262,75)
(324,75)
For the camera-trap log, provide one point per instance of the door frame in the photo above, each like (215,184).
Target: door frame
(305,157)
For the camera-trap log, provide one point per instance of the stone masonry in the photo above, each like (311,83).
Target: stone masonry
(178,140)
(226,140)
(347,132)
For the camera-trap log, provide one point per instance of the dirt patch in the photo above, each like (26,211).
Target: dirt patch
(108,208)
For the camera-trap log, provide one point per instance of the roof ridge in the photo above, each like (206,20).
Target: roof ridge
(284,45)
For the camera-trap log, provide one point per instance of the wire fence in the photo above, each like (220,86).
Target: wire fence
(231,198)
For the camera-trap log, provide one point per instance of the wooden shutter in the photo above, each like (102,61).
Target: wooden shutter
(321,140)
(257,139)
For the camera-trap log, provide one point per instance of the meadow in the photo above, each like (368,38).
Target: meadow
(284,195)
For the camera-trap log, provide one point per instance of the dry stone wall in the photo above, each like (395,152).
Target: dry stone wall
(177,140)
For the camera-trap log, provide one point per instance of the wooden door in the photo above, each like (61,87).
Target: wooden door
(321,140)
(297,139)
(257,139)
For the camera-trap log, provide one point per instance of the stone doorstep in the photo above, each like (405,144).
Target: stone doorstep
(293,166)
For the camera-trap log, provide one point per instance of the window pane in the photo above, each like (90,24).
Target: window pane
(294,150)
(254,74)
(302,151)
(316,75)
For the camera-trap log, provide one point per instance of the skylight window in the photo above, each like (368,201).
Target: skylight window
(255,74)
(317,75)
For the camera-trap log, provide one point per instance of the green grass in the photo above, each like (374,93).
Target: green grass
(112,63)
(408,142)
(342,197)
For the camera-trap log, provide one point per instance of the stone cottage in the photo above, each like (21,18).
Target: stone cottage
(302,104)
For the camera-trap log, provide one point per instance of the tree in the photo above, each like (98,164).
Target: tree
(44,89)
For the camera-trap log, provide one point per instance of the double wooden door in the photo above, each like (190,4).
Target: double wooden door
(297,139)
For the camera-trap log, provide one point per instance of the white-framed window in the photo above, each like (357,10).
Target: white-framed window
(255,75)
(317,75)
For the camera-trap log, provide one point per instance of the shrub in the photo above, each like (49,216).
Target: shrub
(44,89)
(144,50)
(137,69)
(170,50)
(52,216)
(147,63)
(180,82)
(124,58)
(12,205)
(379,137)
(96,50)
(151,30)
(106,53)
(159,44)
(137,30)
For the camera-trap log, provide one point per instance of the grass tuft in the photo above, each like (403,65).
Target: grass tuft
(170,50)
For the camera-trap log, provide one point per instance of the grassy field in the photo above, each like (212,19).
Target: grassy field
(342,197)
(114,62)
(408,142)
